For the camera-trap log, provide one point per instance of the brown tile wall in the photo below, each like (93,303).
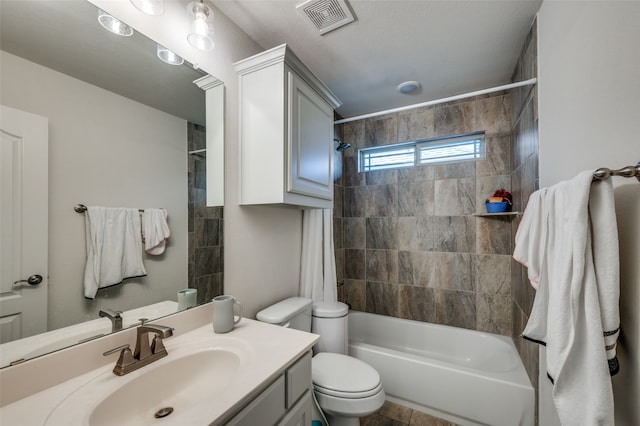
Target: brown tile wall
(410,245)
(206,247)
(524,180)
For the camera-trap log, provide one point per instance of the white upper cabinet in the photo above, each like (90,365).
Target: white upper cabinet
(286,132)
(214,102)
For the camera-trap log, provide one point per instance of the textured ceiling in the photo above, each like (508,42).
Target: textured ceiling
(449,46)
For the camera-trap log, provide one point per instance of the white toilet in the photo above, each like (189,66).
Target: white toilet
(345,387)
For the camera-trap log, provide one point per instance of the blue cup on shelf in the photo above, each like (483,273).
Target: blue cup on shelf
(497,207)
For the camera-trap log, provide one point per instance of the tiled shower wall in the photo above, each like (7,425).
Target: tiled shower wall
(524,180)
(206,246)
(338,202)
(411,245)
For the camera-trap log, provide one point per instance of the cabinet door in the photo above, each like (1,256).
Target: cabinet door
(265,409)
(310,142)
(298,379)
(300,414)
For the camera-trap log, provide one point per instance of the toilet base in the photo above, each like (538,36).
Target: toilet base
(347,412)
(342,421)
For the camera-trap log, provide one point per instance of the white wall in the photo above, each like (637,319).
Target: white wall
(589,106)
(105,150)
(262,244)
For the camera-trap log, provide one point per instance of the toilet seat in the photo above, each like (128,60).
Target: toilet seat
(342,376)
(348,395)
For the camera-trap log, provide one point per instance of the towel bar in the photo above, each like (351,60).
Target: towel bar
(628,171)
(81,208)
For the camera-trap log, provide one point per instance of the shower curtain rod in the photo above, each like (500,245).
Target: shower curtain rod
(529,82)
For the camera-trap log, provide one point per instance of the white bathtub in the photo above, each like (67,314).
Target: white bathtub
(465,376)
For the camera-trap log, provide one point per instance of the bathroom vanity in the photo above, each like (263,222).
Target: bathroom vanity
(286,402)
(255,374)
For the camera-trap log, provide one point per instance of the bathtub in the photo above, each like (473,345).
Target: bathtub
(465,376)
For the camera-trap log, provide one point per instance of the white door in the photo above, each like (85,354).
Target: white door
(24,154)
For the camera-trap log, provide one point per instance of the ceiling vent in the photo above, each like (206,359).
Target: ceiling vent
(326,15)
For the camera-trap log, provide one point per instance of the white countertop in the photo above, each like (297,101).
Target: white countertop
(270,351)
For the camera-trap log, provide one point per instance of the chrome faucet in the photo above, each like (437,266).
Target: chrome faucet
(114,316)
(144,352)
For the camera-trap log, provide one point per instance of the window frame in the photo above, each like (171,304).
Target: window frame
(418,146)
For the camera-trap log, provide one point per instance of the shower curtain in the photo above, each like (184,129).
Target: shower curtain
(318,263)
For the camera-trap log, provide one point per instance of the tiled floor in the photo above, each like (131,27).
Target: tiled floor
(396,415)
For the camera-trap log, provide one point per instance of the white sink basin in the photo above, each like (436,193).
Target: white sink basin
(173,388)
(206,378)
(162,392)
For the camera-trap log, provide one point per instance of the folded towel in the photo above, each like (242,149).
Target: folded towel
(156,230)
(569,242)
(114,248)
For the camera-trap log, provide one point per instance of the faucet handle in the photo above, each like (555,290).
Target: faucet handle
(157,346)
(125,360)
(114,350)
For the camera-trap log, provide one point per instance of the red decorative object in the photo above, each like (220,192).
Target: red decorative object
(504,194)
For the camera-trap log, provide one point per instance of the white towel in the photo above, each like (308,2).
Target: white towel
(568,240)
(114,248)
(156,231)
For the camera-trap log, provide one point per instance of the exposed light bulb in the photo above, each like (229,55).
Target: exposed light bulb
(201,36)
(200,25)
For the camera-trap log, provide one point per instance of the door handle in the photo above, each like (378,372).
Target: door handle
(32,280)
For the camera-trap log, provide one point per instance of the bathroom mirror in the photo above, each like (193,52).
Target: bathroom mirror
(125,130)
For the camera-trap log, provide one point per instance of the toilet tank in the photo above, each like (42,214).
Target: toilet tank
(330,321)
(294,312)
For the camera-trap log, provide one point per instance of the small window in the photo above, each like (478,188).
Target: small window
(422,152)
(387,157)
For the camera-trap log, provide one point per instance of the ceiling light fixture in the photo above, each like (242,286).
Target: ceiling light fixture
(168,57)
(114,25)
(150,7)
(202,26)
(408,87)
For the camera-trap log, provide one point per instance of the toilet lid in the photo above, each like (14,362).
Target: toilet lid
(344,376)
(330,309)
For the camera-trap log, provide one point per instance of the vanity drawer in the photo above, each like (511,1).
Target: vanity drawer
(266,409)
(298,379)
